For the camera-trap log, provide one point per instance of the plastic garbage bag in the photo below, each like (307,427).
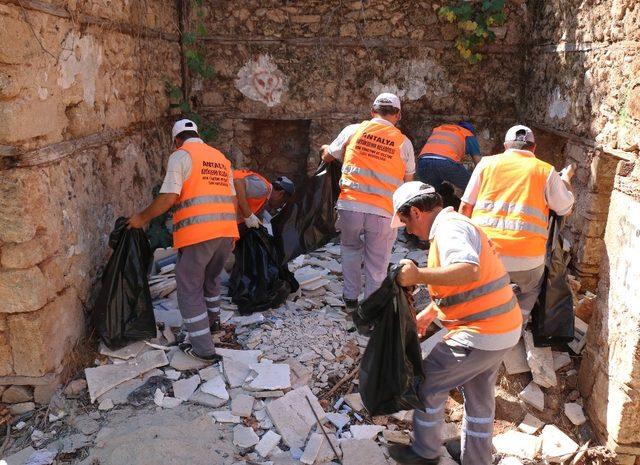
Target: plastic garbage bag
(391,367)
(258,281)
(552,316)
(309,218)
(123,311)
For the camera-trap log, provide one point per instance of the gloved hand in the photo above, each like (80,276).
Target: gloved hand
(252,221)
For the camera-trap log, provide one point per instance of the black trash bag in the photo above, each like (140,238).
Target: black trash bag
(552,317)
(391,367)
(123,311)
(258,282)
(308,221)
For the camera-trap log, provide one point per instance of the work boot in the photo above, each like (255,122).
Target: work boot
(215,324)
(405,455)
(454,447)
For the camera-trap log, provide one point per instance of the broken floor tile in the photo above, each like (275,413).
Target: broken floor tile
(216,387)
(362,452)
(267,443)
(556,446)
(354,401)
(560,360)
(270,377)
(530,424)
(208,373)
(540,360)
(574,413)
(515,361)
(365,431)
(164,401)
(533,395)
(183,362)
(242,405)
(244,437)
(300,375)
(125,353)
(254,318)
(103,378)
(225,416)
(339,420)
(293,417)
(207,400)
(580,338)
(396,437)
(521,445)
(312,449)
(184,388)
(235,371)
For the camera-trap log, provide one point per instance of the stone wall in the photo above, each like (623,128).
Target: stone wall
(324,63)
(82,141)
(583,95)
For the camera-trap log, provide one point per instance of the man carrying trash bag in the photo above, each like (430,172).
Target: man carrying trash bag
(199,182)
(471,296)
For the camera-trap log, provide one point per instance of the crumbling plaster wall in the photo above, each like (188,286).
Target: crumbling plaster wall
(583,93)
(326,61)
(82,125)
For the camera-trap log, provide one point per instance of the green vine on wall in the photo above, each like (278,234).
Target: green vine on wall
(195,59)
(474,20)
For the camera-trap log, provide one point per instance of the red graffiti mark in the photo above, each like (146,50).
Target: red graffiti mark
(266,84)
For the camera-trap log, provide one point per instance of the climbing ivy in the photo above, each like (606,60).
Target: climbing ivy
(195,59)
(474,20)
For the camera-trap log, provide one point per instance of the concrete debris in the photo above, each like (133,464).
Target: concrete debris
(208,373)
(270,377)
(253,319)
(183,389)
(216,387)
(533,395)
(540,360)
(202,398)
(20,457)
(396,437)
(365,431)
(235,371)
(574,413)
(105,405)
(42,457)
(312,449)
(85,425)
(183,362)
(580,336)
(125,353)
(103,378)
(560,360)
(244,437)
(354,401)
(267,443)
(242,405)
(403,415)
(530,424)
(516,360)
(339,420)
(164,401)
(362,451)
(119,395)
(292,416)
(521,445)
(72,443)
(75,387)
(173,375)
(556,446)
(225,416)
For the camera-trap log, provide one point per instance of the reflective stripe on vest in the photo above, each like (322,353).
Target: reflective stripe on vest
(487,305)
(256,204)
(511,206)
(373,167)
(205,208)
(448,140)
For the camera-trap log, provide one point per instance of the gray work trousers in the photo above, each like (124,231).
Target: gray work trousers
(472,370)
(376,247)
(526,287)
(198,277)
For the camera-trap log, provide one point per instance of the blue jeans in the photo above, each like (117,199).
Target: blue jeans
(434,171)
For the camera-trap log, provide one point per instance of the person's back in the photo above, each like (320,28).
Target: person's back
(447,140)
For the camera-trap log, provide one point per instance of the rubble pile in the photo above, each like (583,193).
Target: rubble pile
(274,393)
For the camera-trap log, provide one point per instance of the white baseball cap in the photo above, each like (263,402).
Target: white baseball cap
(520,133)
(387,98)
(403,194)
(183,125)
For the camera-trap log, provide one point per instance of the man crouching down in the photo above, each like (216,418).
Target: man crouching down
(472,298)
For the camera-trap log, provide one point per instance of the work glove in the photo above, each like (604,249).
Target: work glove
(252,221)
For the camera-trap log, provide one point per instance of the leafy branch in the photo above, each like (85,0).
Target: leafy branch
(474,21)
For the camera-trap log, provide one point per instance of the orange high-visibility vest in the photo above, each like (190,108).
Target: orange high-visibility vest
(205,207)
(448,140)
(486,306)
(511,207)
(373,167)
(256,204)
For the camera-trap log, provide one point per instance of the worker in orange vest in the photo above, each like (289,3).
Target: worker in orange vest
(199,184)
(471,296)
(510,196)
(376,158)
(440,160)
(256,196)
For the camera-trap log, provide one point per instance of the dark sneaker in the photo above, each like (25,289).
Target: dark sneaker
(188,349)
(350,304)
(215,326)
(454,447)
(405,455)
